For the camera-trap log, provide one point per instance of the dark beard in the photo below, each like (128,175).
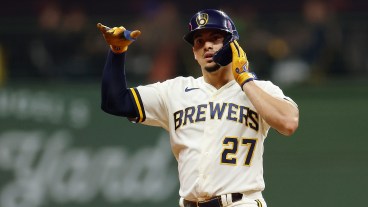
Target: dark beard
(212,68)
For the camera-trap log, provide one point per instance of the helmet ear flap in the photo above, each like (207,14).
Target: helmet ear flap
(224,56)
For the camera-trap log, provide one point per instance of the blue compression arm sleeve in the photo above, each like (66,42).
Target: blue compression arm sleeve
(115,95)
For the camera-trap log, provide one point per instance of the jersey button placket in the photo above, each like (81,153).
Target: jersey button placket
(209,133)
(203,161)
(204,153)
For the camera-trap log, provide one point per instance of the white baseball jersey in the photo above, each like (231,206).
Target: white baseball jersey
(216,135)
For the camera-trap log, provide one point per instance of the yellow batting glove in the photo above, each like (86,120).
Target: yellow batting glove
(240,65)
(118,37)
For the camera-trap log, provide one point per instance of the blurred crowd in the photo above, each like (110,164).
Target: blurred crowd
(290,42)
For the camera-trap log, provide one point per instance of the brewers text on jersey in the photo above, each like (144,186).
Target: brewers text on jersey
(233,112)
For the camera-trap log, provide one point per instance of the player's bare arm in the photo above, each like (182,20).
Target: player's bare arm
(280,114)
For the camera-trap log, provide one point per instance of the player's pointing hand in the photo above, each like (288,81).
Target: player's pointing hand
(118,38)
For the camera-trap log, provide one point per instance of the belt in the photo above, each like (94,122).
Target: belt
(213,202)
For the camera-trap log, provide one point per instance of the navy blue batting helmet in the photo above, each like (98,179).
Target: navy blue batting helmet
(210,19)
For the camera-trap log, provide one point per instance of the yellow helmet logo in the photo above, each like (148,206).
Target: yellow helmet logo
(202,19)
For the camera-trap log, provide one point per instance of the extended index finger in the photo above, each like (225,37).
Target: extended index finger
(103,28)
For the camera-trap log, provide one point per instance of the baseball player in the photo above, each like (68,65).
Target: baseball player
(217,122)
